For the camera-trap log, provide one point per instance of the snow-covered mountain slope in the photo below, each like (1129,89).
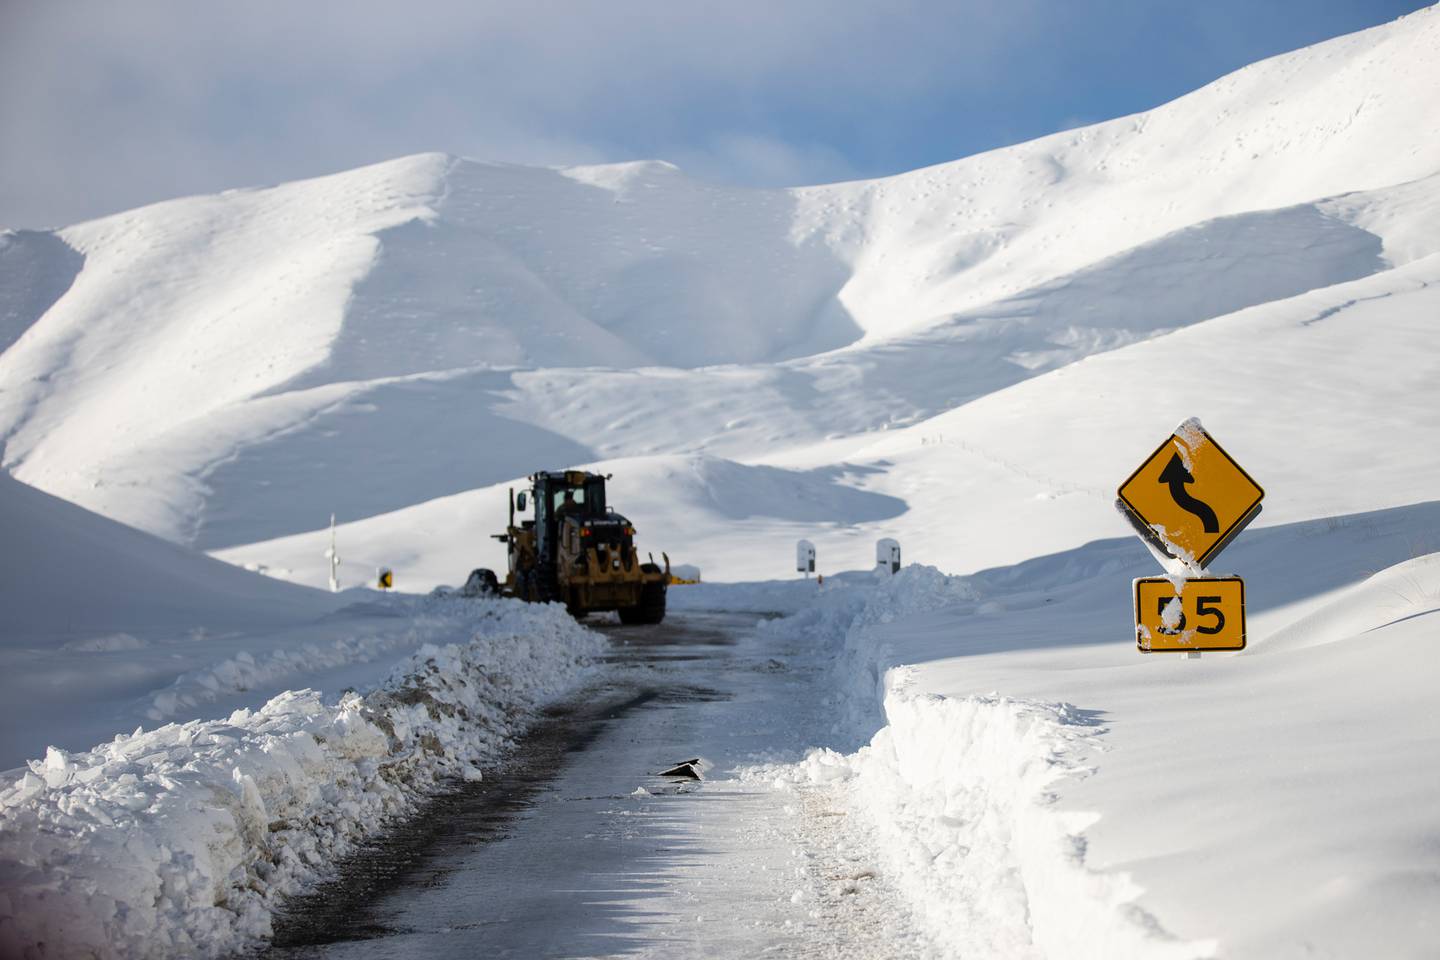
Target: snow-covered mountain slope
(230,369)
(104,628)
(67,574)
(98,613)
(1314,395)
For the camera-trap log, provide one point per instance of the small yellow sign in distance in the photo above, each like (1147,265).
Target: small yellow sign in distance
(1190,498)
(386,580)
(1210,614)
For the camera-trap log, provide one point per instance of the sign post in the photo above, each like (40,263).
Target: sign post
(1188,501)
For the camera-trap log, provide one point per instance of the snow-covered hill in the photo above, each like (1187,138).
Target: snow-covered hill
(969,358)
(231,369)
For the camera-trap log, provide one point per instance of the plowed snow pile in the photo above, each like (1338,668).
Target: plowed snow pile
(180,841)
(1038,788)
(180,838)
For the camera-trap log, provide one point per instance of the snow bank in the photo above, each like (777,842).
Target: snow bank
(106,627)
(959,792)
(181,841)
(194,689)
(851,603)
(1180,808)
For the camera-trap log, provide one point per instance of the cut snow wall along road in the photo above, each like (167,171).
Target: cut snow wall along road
(958,793)
(182,841)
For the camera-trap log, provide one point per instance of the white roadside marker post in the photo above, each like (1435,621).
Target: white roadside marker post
(334,558)
(805,558)
(887,556)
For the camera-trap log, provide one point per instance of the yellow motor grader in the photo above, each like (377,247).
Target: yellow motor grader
(576,550)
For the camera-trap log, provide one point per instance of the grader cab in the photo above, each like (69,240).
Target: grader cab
(576,550)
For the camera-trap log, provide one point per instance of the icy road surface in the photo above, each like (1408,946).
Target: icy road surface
(563,855)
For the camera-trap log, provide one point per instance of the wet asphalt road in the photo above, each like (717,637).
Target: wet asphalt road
(557,855)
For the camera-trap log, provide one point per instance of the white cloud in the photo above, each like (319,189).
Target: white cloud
(106,105)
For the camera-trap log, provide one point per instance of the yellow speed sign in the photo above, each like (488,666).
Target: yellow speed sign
(1191,615)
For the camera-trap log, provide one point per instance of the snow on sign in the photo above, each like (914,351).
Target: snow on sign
(1191,615)
(1190,498)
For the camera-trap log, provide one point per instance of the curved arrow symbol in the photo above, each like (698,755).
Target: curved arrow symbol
(1177,477)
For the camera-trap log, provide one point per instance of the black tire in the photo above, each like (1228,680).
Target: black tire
(481,583)
(651,608)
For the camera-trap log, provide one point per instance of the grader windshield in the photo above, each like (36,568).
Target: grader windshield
(585,491)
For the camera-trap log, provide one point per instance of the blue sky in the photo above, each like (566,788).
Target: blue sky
(105,106)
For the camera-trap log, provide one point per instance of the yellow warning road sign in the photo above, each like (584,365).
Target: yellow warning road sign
(1203,613)
(1190,498)
(385,580)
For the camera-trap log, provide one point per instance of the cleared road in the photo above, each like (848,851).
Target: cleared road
(582,849)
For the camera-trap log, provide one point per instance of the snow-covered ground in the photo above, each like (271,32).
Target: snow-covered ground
(1039,788)
(182,840)
(275,727)
(108,628)
(969,358)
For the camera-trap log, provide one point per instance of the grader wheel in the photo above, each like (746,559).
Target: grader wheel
(651,608)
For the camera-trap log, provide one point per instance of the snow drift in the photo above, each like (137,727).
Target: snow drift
(1039,789)
(182,840)
(67,574)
